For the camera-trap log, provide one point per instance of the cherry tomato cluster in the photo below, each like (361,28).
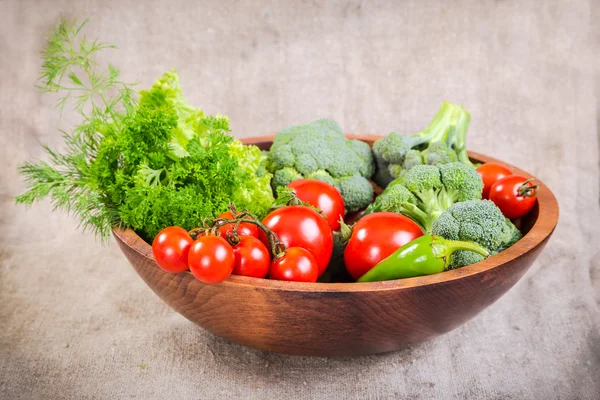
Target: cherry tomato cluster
(292,243)
(514,195)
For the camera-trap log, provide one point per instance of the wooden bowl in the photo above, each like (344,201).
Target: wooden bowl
(345,319)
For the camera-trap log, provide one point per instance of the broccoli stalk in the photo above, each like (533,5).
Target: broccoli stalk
(443,141)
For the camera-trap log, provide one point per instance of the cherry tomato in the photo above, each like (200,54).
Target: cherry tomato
(514,195)
(297,264)
(375,237)
(251,258)
(323,196)
(490,173)
(170,249)
(211,259)
(245,229)
(300,226)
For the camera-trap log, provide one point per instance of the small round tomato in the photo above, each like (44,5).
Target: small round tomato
(245,229)
(514,195)
(251,258)
(375,237)
(170,249)
(301,226)
(297,264)
(323,196)
(211,259)
(490,173)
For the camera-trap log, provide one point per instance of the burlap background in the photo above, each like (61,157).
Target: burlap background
(76,322)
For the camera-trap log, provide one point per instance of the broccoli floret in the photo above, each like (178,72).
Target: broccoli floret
(319,150)
(439,153)
(321,175)
(443,141)
(363,150)
(461,183)
(426,191)
(391,148)
(284,176)
(479,221)
(413,158)
(356,191)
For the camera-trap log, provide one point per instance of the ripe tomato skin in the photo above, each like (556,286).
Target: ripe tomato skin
(297,265)
(245,229)
(490,173)
(323,196)
(211,259)
(505,194)
(170,249)
(251,258)
(300,226)
(375,237)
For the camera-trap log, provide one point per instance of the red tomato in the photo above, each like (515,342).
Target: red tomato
(375,237)
(211,259)
(245,229)
(514,195)
(300,226)
(490,173)
(251,258)
(297,264)
(170,249)
(322,196)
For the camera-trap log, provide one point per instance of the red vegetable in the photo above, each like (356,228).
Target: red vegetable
(375,237)
(170,249)
(514,195)
(490,173)
(244,229)
(323,196)
(211,259)
(251,257)
(297,264)
(300,226)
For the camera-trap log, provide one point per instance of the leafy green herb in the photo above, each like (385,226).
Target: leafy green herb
(69,68)
(145,164)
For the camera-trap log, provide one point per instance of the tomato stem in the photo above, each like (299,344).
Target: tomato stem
(527,190)
(276,247)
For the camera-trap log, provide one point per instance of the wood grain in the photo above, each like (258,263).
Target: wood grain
(346,319)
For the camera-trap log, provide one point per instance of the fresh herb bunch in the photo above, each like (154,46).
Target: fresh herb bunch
(145,164)
(103,101)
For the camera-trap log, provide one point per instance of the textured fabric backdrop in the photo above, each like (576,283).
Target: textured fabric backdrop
(76,322)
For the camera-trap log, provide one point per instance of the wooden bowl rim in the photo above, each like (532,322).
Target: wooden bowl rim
(548,212)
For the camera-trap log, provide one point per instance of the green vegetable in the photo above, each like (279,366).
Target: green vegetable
(426,255)
(319,150)
(480,221)
(424,192)
(147,164)
(443,141)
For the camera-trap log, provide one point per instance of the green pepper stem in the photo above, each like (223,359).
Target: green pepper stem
(444,248)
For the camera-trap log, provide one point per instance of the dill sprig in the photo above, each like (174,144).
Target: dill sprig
(103,101)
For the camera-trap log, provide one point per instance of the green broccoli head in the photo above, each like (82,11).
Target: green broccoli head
(461,183)
(321,175)
(357,192)
(319,150)
(284,176)
(479,221)
(435,188)
(439,153)
(364,152)
(413,158)
(391,148)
